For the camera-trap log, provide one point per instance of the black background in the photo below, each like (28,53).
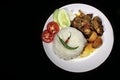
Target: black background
(8,51)
(34,63)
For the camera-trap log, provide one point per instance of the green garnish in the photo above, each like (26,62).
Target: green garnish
(65,45)
(68,39)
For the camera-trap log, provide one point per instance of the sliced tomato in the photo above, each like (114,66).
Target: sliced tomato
(47,36)
(53,27)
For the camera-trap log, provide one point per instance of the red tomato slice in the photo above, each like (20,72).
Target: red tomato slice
(53,27)
(47,36)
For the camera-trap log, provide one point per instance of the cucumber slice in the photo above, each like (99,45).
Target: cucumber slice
(63,18)
(55,15)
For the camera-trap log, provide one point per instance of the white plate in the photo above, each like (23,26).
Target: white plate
(97,57)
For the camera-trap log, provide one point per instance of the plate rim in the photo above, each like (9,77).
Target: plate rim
(111,43)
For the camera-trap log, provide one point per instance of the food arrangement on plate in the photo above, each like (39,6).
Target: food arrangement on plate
(77,37)
(73,35)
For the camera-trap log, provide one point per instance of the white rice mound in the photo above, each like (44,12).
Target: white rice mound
(77,39)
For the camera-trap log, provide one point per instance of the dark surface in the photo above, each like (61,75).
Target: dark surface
(35,64)
(43,66)
(8,71)
(7,56)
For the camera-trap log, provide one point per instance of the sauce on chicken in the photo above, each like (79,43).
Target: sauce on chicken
(92,29)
